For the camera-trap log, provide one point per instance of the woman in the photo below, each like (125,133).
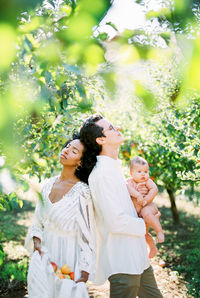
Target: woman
(63,229)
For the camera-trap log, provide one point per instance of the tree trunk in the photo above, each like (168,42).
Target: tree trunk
(173,206)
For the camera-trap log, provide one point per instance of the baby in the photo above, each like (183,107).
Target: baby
(139,170)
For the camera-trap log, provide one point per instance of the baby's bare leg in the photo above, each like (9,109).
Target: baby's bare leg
(151,216)
(152,247)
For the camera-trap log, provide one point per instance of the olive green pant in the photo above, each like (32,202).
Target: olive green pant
(134,285)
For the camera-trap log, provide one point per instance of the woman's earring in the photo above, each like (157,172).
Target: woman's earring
(79,165)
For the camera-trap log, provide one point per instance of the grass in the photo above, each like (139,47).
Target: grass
(181,249)
(12,227)
(13,230)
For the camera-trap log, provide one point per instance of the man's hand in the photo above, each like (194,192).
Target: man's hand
(140,199)
(84,277)
(142,189)
(37,245)
(144,202)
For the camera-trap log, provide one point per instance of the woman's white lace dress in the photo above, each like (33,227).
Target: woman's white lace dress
(66,229)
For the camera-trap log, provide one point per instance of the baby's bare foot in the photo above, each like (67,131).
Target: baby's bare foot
(160,237)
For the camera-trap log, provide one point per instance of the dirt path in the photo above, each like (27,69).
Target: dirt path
(169,283)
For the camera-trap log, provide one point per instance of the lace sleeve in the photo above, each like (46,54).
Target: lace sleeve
(87,234)
(36,229)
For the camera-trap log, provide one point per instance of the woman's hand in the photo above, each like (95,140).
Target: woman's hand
(37,245)
(84,277)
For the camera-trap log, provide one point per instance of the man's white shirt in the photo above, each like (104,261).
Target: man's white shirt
(121,245)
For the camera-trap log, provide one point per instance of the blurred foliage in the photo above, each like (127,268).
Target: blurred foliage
(44,90)
(14,260)
(58,69)
(11,9)
(8,202)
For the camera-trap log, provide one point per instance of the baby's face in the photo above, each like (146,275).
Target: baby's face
(140,173)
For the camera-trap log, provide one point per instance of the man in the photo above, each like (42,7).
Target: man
(122,252)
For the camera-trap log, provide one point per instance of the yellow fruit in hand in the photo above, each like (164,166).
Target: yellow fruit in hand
(65,269)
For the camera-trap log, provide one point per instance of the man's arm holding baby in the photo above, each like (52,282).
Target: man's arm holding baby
(153,191)
(137,193)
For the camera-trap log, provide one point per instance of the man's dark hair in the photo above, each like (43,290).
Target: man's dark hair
(88,134)
(90,131)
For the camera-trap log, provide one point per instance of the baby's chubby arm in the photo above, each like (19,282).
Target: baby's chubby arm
(133,192)
(153,191)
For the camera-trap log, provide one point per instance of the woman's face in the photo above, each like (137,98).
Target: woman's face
(72,153)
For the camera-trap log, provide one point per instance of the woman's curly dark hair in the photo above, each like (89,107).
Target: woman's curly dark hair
(83,171)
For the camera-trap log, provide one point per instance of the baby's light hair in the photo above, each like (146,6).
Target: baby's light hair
(138,160)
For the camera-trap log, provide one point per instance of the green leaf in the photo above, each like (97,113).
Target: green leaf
(2,207)
(48,77)
(160,13)
(2,255)
(72,68)
(166,36)
(40,197)
(112,25)
(146,95)
(28,43)
(20,202)
(103,36)
(81,90)
(25,185)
